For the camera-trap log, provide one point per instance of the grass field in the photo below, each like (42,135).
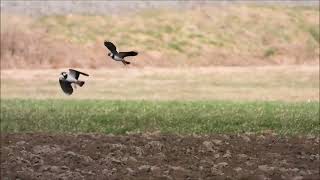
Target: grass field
(118,117)
(283,99)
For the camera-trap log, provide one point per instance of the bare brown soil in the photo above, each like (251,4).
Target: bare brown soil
(154,156)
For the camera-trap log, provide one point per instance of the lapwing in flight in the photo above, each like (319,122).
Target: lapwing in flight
(118,56)
(66,80)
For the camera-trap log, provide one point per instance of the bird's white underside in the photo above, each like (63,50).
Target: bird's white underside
(71,79)
(118,58)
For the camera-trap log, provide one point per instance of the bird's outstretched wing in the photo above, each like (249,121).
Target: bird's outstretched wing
(66,87)
(125,54)
(76,73)
(111,47)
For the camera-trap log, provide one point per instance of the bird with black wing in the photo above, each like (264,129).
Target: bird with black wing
(118,56)
(66,80)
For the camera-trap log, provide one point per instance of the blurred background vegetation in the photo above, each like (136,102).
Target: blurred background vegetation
(48,34)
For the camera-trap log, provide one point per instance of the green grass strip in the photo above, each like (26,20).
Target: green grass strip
(183,117)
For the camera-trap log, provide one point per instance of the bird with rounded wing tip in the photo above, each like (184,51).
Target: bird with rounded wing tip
(66,80)
(118,56)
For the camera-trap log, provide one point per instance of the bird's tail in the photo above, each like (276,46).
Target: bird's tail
(125,62)
(80,83)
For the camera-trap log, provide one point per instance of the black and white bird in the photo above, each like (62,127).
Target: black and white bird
(118,56)
(71,78)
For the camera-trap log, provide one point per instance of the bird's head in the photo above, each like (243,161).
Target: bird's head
(109,54)
(64,75)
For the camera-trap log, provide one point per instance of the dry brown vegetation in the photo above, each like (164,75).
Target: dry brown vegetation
(228,35)
(284,83)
